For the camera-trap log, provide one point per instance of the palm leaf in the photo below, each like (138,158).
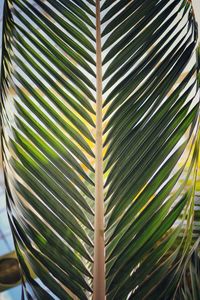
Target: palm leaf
(100,142)
(189,285)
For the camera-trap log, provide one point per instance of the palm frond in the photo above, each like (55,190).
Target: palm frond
(101,129)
